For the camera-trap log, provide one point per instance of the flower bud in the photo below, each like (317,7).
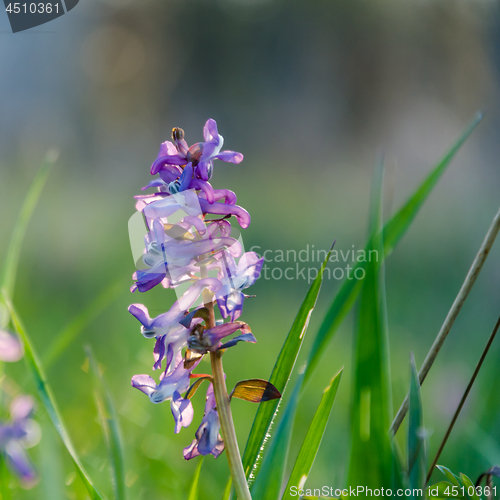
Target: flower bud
(177,134)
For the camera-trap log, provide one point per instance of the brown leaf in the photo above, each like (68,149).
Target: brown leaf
(255,390)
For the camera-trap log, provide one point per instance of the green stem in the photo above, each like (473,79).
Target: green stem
(226,418)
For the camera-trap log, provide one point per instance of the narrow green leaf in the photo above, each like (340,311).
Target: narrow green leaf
(451,477)
(255,390)
(280,376)
(416,438)
(228,490)
(469,487)
(47,397)
(393,231)
(110,426)
(71,332)
(268,484)
(314,436)
(9,273)
(196,385)
(372,462)
(50,464)
(193,492)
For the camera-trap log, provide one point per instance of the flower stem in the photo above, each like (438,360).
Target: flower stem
(226,419)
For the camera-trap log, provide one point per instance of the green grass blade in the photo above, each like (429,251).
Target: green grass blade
(110,426)
(47,397)
(371,462)
(397,226)
(71,332)
(11,263)
(268,484)
(195,483)
(280,376)
(416,439)
(314,436)
(393,231)
(228,490)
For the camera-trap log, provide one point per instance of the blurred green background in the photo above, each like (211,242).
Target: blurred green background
(310,93)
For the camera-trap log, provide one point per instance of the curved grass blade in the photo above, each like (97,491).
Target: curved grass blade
(47,397)
(68,335)
(110,426)
(372,463)
(193,492)
(268,484)
(11,263)
(393,231)
(416,438)
(314,436)
(280,376)
(228,490)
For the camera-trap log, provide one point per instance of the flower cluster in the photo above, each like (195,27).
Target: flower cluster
(20,431)
(191,247)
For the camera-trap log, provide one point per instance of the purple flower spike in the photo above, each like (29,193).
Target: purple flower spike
(15,436)
(230,297)
(208,439)
(11,349)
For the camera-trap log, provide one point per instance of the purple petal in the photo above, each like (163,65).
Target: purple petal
(21,407)
(207,188)
(231,304)
(182,410)
(11,349)
(147,281)
(241,214)
(250,266)
(168,155)
(247,337)
(170,356)
(210,130)
(141,313)
(144,383)
(170,173)
(217,333)
(230,156)
(154,183)
(196,222)
(21,464)
(202,170)
(159,232)
(191,451)
(186,177)
(159,352)
(192,294)
(227,195)
(209,441)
